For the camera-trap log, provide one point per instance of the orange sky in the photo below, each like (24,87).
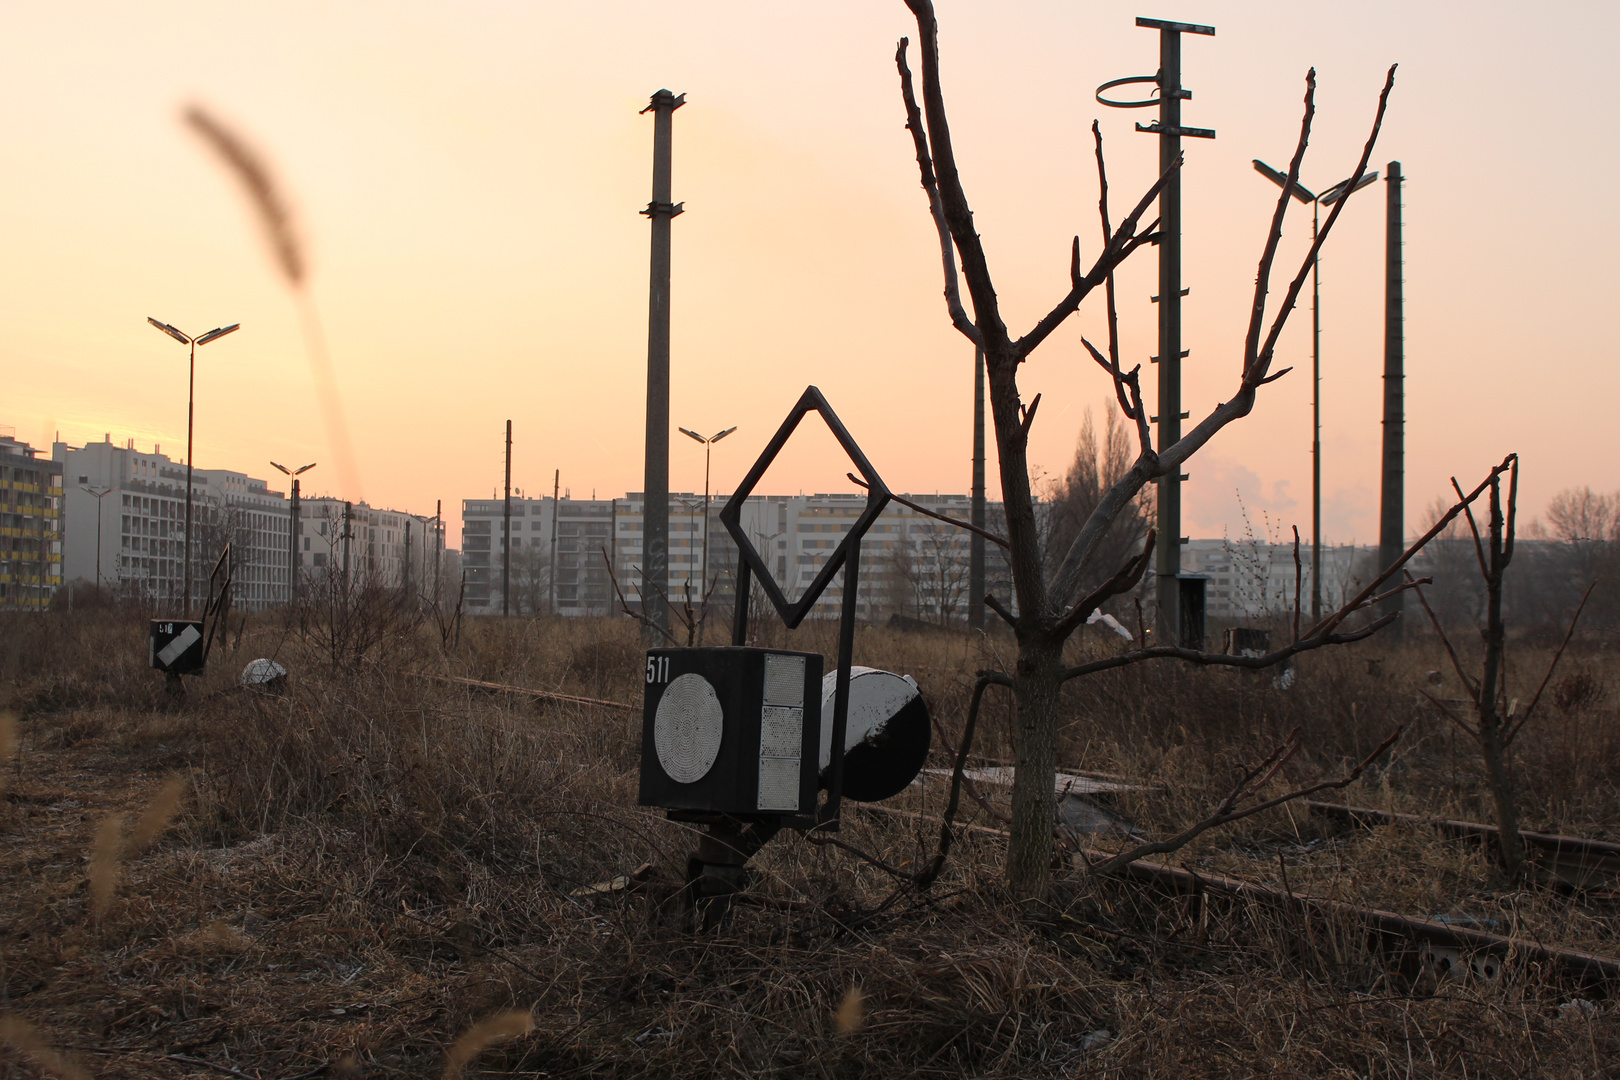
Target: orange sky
(467,178)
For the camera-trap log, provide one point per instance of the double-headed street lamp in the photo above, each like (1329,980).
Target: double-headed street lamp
(708,445)
(1327,198)
(191,398)
(292,528)
(100,493)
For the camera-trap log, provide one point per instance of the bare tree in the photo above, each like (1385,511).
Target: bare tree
(1496,721)
(1052,603)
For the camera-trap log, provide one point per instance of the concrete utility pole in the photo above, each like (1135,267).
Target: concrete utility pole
(348,534)
(438,547)
(976,578)
(1391,518)
(1167,560)
(1171,353)
(551,575)
(292,529)
(506,531)
(655,485)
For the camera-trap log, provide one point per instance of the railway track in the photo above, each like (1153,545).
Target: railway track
(1573,860)
(1446,946)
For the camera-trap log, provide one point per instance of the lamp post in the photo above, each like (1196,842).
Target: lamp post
(100,493)
(708,445)
(1327,198)
(191,398)
(292,529)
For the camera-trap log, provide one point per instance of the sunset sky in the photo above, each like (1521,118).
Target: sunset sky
(467,179)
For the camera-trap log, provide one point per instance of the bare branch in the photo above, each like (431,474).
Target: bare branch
(1473,527)
(995,605)
(1209,659)
(640,616)
(1439,526)
(1434,620)
(925,512)
(1246,787)
(1557,656)
(1263,361)
(953,200)
(936,206)
(1124,241)
(1448,714)
(1268,255)
(1123,581)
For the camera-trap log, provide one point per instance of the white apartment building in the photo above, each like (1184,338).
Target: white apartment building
(366,544)
(910,564)
(140,520)
(1250,579)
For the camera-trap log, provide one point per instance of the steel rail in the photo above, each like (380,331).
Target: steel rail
(1582,965)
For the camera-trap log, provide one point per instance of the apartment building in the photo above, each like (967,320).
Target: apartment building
(1250,578)
(30,526)
(367,544)
(911,564)
(125,512)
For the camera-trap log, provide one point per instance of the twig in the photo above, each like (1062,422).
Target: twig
(1562,645)
(1123,581)
(925,512)
(995,605)
(958,777)
(1434,620)
(936,205)
(1247,786)
(640,616)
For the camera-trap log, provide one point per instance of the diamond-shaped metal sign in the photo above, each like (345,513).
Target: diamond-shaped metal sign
(877,497)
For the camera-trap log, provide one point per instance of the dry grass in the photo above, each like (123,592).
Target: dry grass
(370,868)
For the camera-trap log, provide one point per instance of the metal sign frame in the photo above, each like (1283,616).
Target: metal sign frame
(846,557)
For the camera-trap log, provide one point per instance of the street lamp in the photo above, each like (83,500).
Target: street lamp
(1327,198)
(708,444)
(191,398)
(100,493)
(292,528)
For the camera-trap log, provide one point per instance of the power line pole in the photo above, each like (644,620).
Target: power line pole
(1167,560)
(551,575)
(655,493)
(438,547)
(976,551)
(1391,518)
(506,531)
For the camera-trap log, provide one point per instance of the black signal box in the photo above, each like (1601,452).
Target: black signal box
(731,730)
(176,646)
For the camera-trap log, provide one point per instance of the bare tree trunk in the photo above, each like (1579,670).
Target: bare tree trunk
(1036,685)
(1492,743)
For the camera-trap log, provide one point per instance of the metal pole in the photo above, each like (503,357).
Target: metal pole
(98,548)
(1316,427)
(976,549)
(292,563)
(1391,523)
(1167,561)
(438,547)
(348,513)
(1168,556)
(703,582)
(551,577)
(506,531)
(655,493)
(191,397)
